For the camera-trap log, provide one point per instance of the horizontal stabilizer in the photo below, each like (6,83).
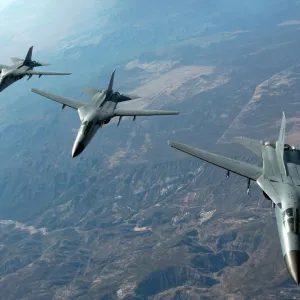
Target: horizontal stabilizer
(126,97)
(40,73)
(41,64)
(251,144)
(16,60)
(62,100)
(91,91)
(142,112)
(242,168)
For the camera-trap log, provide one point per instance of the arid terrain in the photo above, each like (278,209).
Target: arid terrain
(132,218)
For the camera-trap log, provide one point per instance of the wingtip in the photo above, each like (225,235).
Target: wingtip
(34,90)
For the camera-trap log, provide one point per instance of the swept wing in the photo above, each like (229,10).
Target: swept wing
(40,73)
(64,101)
(142,112)
(241,168)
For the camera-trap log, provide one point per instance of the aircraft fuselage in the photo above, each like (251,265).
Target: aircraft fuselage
(93,116)
(6,82)
(287,189)
(11,75)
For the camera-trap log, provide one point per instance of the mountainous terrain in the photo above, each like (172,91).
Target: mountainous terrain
(132,218)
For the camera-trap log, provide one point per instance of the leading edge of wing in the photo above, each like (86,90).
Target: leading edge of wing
(241,168)
(143,112)
(34,72)
(65,101)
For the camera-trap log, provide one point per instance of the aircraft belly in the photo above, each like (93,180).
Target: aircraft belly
(280,228)
(90,135)
(288,240)
(85,138)
(7,83)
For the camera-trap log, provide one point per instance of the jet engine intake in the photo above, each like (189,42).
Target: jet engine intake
(106,121)
(287,147)
(269,143)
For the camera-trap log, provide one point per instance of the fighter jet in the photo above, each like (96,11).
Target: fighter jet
(21,68)
(279,180)
(99,112)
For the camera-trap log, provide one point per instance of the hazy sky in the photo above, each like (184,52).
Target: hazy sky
(49,24)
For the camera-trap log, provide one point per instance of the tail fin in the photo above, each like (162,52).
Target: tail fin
(111,82)
(28,55)
(28,60)
(280,145)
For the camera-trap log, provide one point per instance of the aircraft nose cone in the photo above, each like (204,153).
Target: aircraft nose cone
(292,261)
(78,148)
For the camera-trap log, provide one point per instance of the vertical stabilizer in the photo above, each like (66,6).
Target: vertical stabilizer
(280,145)
(111,82)
(28,55)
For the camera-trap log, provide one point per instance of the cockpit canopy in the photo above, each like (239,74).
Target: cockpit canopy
(291,220)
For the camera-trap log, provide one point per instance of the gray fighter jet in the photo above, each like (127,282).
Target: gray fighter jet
(279,179)
(101,109)
(22,68)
